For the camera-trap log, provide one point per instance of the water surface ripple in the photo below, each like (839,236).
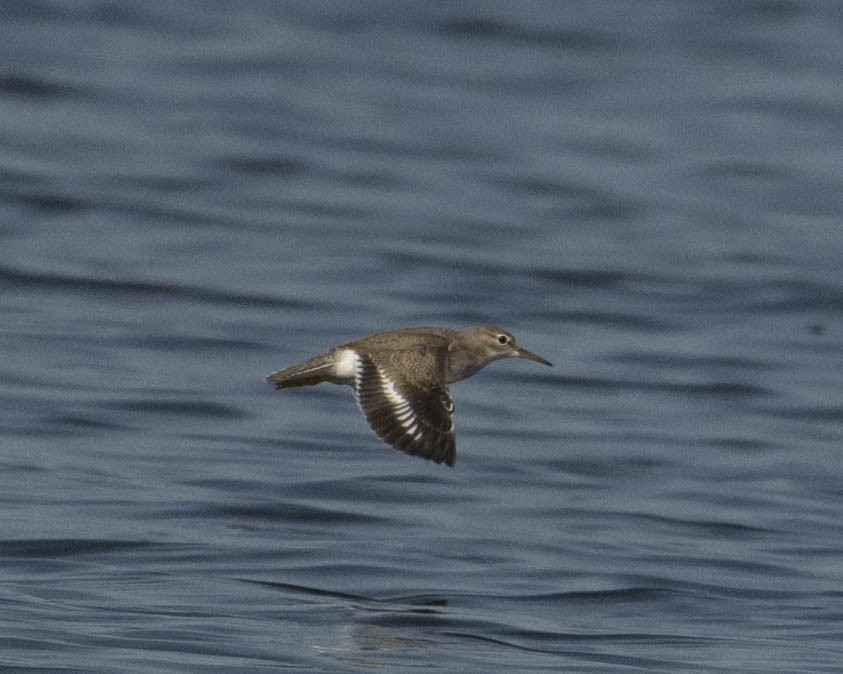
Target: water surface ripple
(194,194)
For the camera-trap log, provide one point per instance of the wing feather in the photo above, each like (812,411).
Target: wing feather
(412,413)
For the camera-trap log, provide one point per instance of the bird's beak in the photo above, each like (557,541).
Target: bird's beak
(523,353)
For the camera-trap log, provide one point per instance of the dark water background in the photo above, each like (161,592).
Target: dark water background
(195,193)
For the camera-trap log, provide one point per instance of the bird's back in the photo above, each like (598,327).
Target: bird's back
(408,338)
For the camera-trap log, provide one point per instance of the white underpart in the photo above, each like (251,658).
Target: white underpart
(403,412)
(346,364)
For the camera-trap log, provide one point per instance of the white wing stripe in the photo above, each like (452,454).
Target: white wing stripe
(404,414)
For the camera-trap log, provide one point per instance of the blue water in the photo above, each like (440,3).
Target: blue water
(196,193)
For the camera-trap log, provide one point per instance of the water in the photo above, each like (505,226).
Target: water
(194,194)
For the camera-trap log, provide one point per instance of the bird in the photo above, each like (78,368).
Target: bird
(400,379)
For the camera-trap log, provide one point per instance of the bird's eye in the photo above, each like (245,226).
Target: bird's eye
(503,339)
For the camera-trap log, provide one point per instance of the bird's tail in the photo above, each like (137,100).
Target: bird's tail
(314,371)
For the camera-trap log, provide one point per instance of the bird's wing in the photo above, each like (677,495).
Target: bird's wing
(404,398)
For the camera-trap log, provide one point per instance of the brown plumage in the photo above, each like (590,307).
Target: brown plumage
(400,379)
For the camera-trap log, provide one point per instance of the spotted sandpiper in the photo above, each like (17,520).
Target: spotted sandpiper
(401,377)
